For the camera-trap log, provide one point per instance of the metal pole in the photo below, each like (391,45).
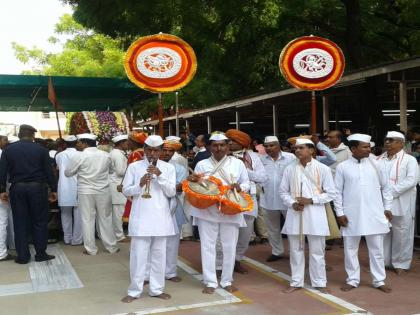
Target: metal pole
(170,128)
(403,106)
(275,121)
(238,120)
(176,114)
(325,114)
(160,114)
(208,124)
(313,112)
(187,126)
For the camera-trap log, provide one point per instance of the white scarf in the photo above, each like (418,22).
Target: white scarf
(312,171)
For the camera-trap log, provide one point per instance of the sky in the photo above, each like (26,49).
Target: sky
(29,23)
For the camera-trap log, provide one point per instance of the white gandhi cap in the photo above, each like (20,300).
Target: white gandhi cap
(119,138)
(271,139)
(218,136)
(154,141)
(301,141)
(173,138)
(395,134)
(70,138)
(88,136)
(359,137)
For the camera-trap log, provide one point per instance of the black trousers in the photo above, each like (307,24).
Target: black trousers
(29,202)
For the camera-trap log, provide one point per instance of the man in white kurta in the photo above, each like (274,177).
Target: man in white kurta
(402,174)
(238,144)
(211,222)
(119,163)
(341,151)
(306,187)
(363,208)
(275,162)
(150,219)
(92,168)
(5,213)
(71,220)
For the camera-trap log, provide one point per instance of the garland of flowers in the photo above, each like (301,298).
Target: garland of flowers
(230,207)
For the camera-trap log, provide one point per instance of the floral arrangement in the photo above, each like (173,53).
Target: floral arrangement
(103,124)
(230,207)
(203,201)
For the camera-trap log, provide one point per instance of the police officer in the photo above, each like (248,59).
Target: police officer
(30,174)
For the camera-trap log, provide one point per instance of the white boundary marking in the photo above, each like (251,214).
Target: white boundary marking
(276,273)
(228,298)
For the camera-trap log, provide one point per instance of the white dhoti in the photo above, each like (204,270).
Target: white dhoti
(10,231)
(399,242)
(187,228)
(142,249)
(4,221)
(316,261)
(272,223)
(376,259)
(117,213)
(172,247)
(244,237)
(99,206)
(71,222)
(209,232)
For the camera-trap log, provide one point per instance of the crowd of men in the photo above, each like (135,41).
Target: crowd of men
(140,181)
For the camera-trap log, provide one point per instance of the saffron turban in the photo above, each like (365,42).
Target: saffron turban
(239,136)
(175,145)
(138,136)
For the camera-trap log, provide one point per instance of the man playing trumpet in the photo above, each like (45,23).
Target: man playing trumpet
(305,188)
(150,219)
(211,222)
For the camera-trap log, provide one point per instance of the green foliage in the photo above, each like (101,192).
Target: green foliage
(86,54)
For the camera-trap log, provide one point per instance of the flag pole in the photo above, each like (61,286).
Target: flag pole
(53,99)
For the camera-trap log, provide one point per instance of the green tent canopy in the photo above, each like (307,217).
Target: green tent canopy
(30,92)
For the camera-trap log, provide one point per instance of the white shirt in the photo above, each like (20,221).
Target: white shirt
(363,196)
(342,153)
(402,175)
(181,160)
(232,167)
(92,167)
(119,165)
(270,197)
(67,186)
(295,184)
(150,217)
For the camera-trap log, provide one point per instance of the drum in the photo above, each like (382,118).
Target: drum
(232,203)
(203,194)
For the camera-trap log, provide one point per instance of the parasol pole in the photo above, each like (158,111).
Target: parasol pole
(160,114)
(301,236)
(177,114)
(313,112)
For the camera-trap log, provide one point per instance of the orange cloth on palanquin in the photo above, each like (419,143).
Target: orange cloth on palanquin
(239,136)
(136,155)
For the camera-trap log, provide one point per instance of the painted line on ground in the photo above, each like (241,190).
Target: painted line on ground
(228,298)
(324,297)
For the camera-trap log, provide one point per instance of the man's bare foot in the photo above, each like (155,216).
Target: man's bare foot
(323,290)
(384,288)
(146,282)
(239,268)
(175,279)
(208,290)
(291,289)
(347,287)
(128,299)
(399,271)
(162,296)
(230,288)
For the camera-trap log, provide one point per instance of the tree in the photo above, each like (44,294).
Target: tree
(86,54)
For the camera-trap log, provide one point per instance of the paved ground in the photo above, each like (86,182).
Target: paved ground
(80,284)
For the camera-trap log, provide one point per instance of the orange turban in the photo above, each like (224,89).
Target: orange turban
(138,136)
(239,136)
(175,145)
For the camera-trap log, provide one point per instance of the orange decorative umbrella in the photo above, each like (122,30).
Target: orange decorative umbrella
(160,63)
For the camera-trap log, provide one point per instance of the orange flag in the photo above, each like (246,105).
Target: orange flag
(52,97)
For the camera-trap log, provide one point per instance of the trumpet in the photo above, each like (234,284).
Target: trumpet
(146,192)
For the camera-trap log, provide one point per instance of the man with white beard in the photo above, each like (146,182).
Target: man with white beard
(363,208)
(402,174)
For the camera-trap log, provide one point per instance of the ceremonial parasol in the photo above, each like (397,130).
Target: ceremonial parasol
(160,63)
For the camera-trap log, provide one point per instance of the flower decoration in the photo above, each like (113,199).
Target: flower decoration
(203,201)
(230,207)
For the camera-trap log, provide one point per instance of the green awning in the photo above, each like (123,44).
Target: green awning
(30,92)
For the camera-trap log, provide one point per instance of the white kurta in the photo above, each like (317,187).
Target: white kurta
(119,163)
(180,159)
(342,153)
(232,167)
(363,196)
(150,217)
(257,175)
(67,186)
(314,215)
